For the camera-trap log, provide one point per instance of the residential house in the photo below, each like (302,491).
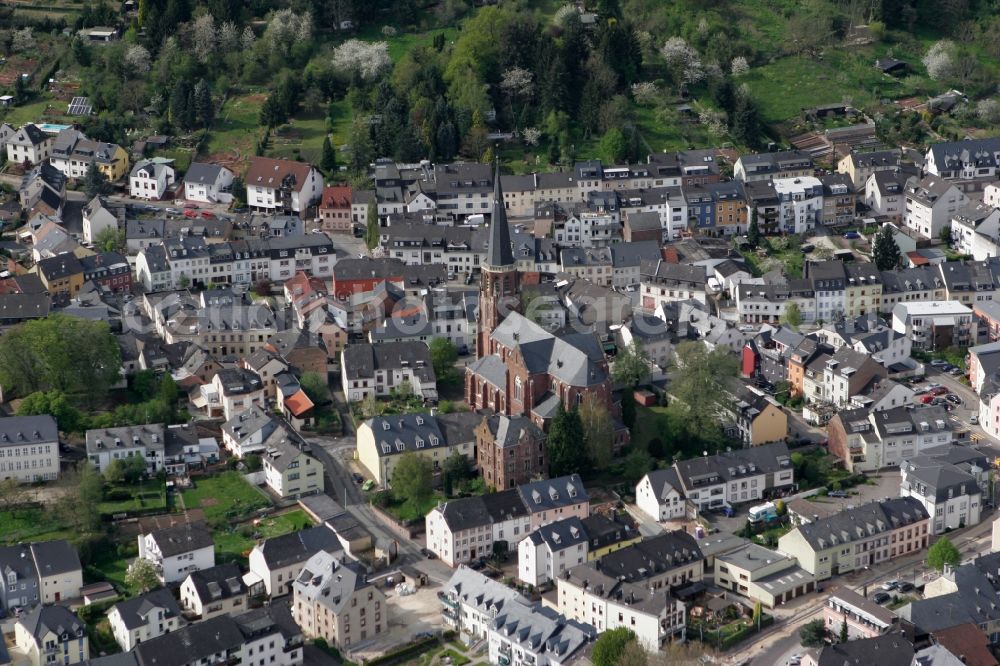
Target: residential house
(963,160)
(930,204)
(282,186)
(278,561)
(376,370)
(536,636)
(43,572)
(465,529)
(643,226)
(859,166)
(231,391)
(756,418)
(553,499)
(42,190)
(857,538)
(96,219)
(886,193)
(383,440)
(800,203)
(52,635)
(178,550)
(735,477)
(208,183)
(105,445)
(218,590)
(29,144)
(144,617)
(658,495)
(548,552)
(967,595)
(510,450)
(771,166)
(246,432)
(870,440)
(62,275)
(333,600)
(151,179)
(890,650)
(864,617)
(950,482)
(73,153)
(470,601)
(335,209)
(935,325)
(29,448)
(662,282)
(289,469)
(108,270)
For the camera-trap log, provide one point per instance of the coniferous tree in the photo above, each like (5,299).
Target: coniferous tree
(564,443)
(885,251)
(328,161)
(204,110)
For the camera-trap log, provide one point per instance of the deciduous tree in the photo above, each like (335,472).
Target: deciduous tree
(412,480)
(701,383)
(141,576)
(610,645)
(943,553)
(598,431)
(631,365)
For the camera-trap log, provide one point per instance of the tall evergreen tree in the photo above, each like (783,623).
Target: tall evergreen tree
(753,232)
(328,161)
(565,443)
(885,251)
(179,99)
(204,109)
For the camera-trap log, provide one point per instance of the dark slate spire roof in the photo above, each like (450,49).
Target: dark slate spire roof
(499,252)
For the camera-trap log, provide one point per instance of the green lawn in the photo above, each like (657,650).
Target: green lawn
(31,525)
(237,129)
(232,545)
(405,511)
(112,563)
(301,138)
(404,41)
(33,112)
(144,497)
(224,496)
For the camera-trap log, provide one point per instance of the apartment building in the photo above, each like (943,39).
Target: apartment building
(771,166)
(963,160)
(282,186)
(856,538)
(800,203)
(951,482)
(935,325)
(333,600)
(859,166)
(52,635)
(382,441)
(376,370)
(930,204)
(864,617)
(29,448)
(870,440)
(144,617)
(178,550)
(735,477)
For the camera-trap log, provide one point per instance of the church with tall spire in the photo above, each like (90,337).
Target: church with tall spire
(498,286)
(522,369)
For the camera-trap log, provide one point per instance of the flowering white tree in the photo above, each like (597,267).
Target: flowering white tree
(645,93)
(517,81)
(137,59)
(204,37)
(714,121)
(739,66)
(286,27)
(22,40)
(531,135)
(389,31)
(940,60)
(683,59)
(988,110)
(369,59)
(247,38)
(228,37)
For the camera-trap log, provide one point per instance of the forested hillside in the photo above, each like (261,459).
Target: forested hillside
(343,82)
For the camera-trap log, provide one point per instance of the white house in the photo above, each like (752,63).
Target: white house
(178,550)
(374,370)
(551,550)
(933,325)
(289,470)
(29,144)
(29,448)
(144,617)
(277,561)
(658,495)
(470,601)
(208,183)
(150,179)
(51,635)
(282,186)
(930,204)
(950,482)
(97,218)
(800,204)
(215,591)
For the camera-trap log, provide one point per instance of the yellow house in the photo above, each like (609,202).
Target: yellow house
(759,419)
(382,441)
(606,536)
(52,635)
(112,161)
(864,290)
(61,275)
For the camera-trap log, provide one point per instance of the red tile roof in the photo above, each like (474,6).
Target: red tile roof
(298,403)
(269,172)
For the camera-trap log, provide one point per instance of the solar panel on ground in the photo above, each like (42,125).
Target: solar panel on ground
(80,106)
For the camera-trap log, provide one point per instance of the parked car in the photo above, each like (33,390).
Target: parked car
(906,587)
(974,419)
(191,206)
(951,397)
(940,390)
(173,211)
(852,235)
(358,479)
(926,400)
(191,213)
(955,371)
(208,215)
(807,248)
(890,585)
(939,363)
(881,597)
(939,402)
(837,493)
(463,350)
(428,554)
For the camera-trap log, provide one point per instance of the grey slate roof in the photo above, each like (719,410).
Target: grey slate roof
(889,650)
(55,557)
(362,360)
(862,521)
(57,619)
(575,359)
(223,581)
(484,594)
(663,480)
(331,580)
(550,494)
(182,538)
(199,172)
(508,430)
(652,556)
(190,644)
(561,534)
(15,307)
(498,252)
(135,610)
(730,465)
(299,546)
(400,433)
(16,430)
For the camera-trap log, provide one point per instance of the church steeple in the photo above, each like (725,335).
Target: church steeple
(498,290)
(498,252)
